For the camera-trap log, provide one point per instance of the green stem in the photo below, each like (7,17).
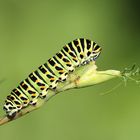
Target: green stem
(82,77)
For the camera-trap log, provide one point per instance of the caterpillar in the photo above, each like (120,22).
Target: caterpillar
(76,53)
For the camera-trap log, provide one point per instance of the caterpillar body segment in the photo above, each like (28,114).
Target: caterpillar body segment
(11,108)
(23,98)
(57,69)
(65,62)
(74,54)
(76,44)
(40,85)
(29,90)
(48,76)
(71,55)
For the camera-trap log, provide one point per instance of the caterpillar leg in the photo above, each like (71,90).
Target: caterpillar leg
(12,114)
(43,94)
(33,102)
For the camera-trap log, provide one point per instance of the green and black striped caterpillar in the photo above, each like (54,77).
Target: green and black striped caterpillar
(46,77)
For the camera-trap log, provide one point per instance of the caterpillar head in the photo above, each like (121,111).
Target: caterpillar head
(92,51)
(96,50)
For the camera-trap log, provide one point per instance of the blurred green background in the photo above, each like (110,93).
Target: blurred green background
(31,31)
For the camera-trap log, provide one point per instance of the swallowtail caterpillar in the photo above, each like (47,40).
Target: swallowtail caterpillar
(76,53)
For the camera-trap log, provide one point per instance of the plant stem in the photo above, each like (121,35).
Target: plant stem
(82,77)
